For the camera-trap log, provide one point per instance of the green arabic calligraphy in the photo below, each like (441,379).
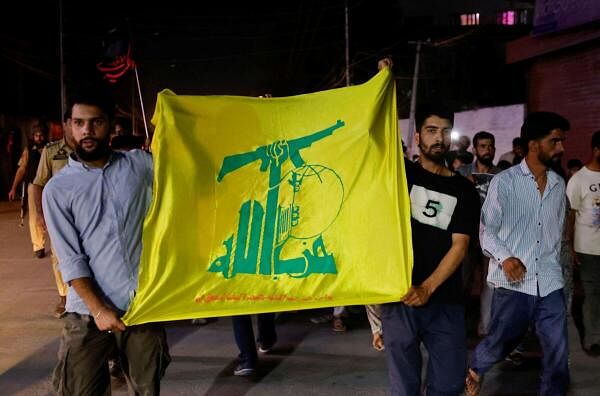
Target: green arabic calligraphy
(262,234)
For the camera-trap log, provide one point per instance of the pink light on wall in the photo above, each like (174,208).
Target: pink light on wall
(508,18)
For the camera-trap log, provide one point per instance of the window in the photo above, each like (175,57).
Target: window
(469,19)
(508,18)
(513,17)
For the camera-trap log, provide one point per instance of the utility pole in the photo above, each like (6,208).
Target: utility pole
(413,99)
(347,44)
(62,61)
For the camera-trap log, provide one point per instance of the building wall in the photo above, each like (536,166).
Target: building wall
(441,12)
(568,82)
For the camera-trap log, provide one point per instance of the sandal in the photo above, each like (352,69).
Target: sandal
(473,383)
(338,325)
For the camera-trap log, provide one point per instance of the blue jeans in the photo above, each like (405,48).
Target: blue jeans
(244,336)
(441,328)
(512,312)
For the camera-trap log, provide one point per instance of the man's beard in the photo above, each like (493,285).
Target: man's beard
(549,161)
(437,157)
(487,161)
(101,150)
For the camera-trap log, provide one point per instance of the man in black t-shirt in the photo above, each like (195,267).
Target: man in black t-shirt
(445,216)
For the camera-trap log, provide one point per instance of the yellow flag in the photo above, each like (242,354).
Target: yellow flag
(275,204)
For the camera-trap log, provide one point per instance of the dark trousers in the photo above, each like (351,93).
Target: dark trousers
(590,279)
(244,335)
(82,367)
(512,312)
(441,328)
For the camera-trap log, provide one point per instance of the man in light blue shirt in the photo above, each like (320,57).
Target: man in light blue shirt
(523,217)
(94,209)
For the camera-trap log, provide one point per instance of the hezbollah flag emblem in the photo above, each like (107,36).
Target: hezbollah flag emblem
(264,205)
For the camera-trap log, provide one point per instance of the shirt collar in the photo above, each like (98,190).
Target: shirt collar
(552,176)
(77,163)
(524,168)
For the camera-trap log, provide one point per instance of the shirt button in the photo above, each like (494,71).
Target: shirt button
(538,241)
(539,223)
(536,259)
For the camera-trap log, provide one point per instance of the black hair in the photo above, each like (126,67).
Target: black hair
(481,135)
(127,142)
(465,158)
(517,142)
(539,124)
(596,140)
(92,94)
(574,162)
(504,164)
(429,110)
(125,124)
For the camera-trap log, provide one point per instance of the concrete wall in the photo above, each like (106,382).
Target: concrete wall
(504,122)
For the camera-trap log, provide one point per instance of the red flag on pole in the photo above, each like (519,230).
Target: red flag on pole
(117,61)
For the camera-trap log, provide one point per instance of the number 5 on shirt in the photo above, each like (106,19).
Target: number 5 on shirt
(432,207)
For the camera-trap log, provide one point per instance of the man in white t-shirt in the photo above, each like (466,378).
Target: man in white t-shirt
(583,191)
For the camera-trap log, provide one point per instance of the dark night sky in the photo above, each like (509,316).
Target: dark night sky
(244,48)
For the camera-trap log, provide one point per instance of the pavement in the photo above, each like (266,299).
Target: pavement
(309,359)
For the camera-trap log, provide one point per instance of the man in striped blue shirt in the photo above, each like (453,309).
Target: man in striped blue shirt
(523,217)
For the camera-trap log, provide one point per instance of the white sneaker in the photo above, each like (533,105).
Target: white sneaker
(242,371)
(326,318)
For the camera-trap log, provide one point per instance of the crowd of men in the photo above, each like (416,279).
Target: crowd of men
(516,223)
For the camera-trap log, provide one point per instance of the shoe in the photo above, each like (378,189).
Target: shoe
(321,319)
(264,348)
(516,358)
(338,325)
(40,253)
(244,371)
(594,350)
(59,310)
(115,370)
